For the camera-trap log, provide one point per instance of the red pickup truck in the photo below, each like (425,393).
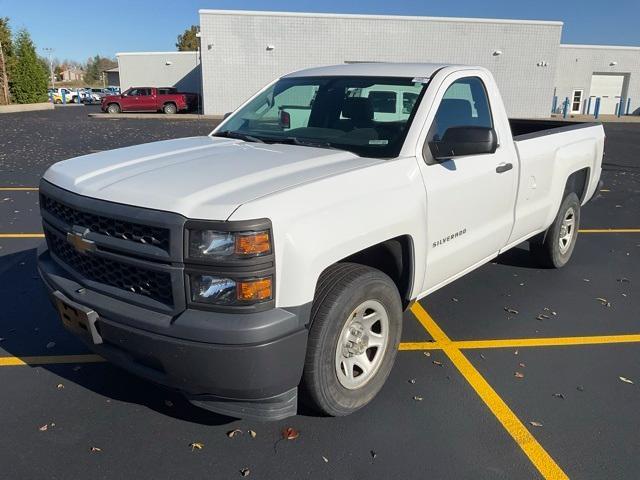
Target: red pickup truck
(150,99)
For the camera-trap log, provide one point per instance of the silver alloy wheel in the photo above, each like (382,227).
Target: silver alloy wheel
(567,230)
(362,344)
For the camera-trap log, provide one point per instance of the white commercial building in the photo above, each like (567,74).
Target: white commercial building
(242,51)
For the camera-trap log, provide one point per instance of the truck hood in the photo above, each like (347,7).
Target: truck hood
(198,177)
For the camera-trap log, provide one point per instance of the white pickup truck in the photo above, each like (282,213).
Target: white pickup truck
(273,257)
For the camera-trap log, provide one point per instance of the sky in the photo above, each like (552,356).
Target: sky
(78,30)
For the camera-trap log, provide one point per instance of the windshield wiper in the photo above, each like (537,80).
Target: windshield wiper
(239,136)
(297,141)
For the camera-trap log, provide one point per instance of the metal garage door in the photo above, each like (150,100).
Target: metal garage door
(609,89)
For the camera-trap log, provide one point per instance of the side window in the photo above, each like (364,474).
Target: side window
(144,92)
(465,104)
(133,92)
(408,101)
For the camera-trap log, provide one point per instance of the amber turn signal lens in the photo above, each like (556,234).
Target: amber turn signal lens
(255,290)
(254,243)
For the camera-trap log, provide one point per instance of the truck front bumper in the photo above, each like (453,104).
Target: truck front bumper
(256,378)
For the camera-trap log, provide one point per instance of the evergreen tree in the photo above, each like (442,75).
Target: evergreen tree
(7,54)
(28,77)
(188,42)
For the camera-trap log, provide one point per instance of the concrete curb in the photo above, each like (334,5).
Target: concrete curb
(25,107)
(157,116)
(601,118)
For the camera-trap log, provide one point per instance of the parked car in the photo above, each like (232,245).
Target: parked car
(59,92)
(267,259)
(95,95)
(150,99)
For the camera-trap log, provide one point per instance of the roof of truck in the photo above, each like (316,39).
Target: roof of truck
(373,69)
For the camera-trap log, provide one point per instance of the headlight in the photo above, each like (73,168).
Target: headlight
(217,290)
(212,244)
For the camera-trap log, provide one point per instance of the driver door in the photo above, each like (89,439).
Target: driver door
(470,198)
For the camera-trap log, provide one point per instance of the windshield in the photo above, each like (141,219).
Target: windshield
(369,116)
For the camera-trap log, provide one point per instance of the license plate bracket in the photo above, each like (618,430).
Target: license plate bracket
(77,318)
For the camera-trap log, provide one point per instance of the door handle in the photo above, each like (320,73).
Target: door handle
(504,167)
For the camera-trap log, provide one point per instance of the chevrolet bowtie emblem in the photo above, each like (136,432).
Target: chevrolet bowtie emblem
(79,243)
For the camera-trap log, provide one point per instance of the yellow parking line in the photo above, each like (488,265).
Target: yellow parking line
(18,189)
(49,359)
(524,342)
(609,230)
(21,235)
(545,464)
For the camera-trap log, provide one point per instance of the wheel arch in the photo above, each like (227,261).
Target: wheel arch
(394,257)
(578,183)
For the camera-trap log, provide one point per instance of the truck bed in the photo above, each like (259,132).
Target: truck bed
(523,129)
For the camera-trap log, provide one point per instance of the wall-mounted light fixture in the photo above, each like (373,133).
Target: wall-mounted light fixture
(209,46)
(613,64)
(497,53)
(168,62)
(270,47)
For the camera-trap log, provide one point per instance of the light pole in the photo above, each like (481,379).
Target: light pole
(199,61)
(53,78)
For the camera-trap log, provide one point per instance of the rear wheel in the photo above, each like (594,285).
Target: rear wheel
(354,336)
(170,108)
(113,108)
(554,248)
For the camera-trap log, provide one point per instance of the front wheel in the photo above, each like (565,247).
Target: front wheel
(113,108)
(353,340)
(170,108)
(554,248)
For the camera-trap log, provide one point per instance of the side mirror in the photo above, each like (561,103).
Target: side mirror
(226,115)
(461,141)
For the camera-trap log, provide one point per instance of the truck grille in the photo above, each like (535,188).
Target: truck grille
(133,232)
(131,278)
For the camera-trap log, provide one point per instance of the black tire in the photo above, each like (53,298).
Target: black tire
(113,108)
(170,108)
(545,248)
(341,289)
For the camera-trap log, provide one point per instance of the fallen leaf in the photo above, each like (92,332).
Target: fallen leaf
(417,399)
(482,356)
(51,344)
(511,311)
(373,454)
(454,299)
(76,368)
(426,354)
(252,433)
(196,446)
(604,302)
(233,433)
(535,424)
(412,381)
(542,316)
(559,395)
(516,352)
(290,433)
(168,403)
(436,362)
(326,460)
(522,365)
(44,427)
(60,386)
(245,472)
(96,449)
(586,280)
(518,375)
(580,388)
(626,380)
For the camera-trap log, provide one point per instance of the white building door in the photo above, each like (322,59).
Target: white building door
(576,101)
(609,89)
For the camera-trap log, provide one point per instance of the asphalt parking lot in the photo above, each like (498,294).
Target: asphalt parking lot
(509,372)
